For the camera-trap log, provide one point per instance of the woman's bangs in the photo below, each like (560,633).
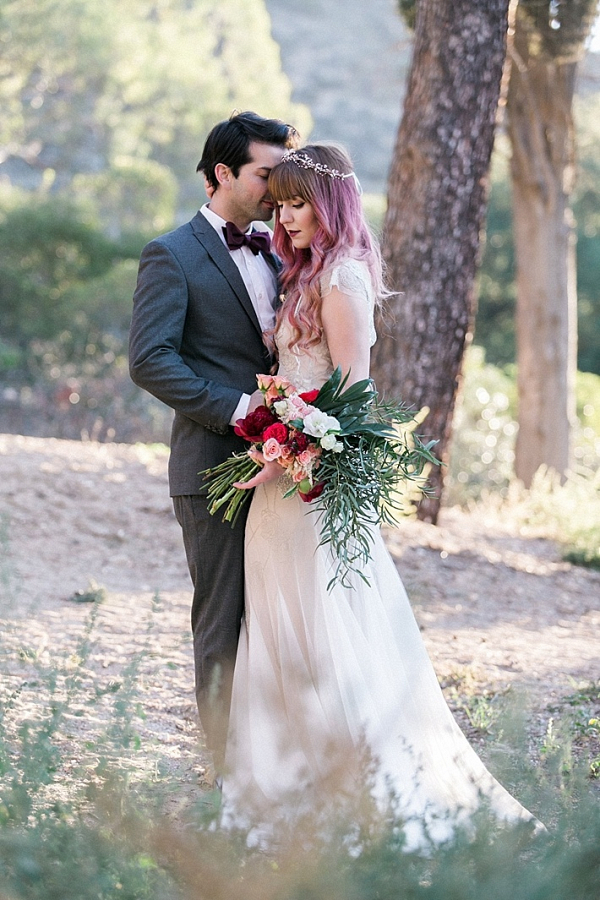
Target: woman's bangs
(285,183)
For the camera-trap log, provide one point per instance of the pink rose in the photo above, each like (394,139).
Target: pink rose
(309,456)
(271,449)
(305,458)
(287,457)
(282,384)
(279,387)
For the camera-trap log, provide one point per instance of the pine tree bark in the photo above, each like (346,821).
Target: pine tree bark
(437,199)
(541,130)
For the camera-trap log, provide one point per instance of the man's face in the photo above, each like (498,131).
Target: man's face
(249,199)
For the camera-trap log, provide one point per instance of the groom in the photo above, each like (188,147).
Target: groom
(205,295)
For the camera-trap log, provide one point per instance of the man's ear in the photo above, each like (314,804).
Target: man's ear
(223,174)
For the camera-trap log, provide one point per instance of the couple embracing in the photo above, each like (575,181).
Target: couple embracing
(298,682)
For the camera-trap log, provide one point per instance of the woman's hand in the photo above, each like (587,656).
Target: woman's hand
(269,472)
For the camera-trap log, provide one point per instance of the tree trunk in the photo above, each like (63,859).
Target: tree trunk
(436,205)
(541,130)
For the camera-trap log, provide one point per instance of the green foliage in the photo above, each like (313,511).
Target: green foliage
(484,431)
(558,30)
(115,851)
(587,216)
(374,206)
(408,11)
(363,483)
(494,326)
(568,512)
(131,197)
(482,454)
(65,307)
(46,250)
(86,85)
(495,319)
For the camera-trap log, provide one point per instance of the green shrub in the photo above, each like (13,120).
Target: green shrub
(482,458)
(484,432)
(45,248)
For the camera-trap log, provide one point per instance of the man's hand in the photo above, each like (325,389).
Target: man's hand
(256,399)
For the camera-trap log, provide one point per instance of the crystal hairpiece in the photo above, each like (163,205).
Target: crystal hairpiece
(304,161)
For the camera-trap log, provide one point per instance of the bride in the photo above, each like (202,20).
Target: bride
(334,695)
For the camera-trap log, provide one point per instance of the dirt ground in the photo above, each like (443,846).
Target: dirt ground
(496,608)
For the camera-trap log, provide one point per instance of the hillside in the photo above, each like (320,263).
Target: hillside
(348,62)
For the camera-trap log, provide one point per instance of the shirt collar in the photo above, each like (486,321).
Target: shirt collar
(218,223)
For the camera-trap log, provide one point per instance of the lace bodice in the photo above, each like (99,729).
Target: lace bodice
(308,369)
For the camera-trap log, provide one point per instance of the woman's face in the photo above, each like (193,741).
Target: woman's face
(298,218)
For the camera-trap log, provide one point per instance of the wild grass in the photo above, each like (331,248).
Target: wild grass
(80,818)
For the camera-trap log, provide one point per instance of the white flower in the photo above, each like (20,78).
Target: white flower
(318,424)
(330,442)
(281,407)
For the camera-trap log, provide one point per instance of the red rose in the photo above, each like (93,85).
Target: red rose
(278,431)
(253,426)
(298,443)
(315,491)
(309,396)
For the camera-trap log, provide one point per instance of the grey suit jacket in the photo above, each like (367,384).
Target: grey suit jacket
(196,344)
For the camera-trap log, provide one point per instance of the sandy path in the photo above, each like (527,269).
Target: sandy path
(495,608)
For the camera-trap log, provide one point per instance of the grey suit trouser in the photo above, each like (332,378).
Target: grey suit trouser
(215,555)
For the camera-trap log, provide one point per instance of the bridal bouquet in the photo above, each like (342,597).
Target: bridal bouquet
(342,449)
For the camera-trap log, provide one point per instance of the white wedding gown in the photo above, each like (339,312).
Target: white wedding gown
(333,690)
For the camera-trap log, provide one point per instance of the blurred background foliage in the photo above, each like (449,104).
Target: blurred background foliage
(495,327)
(97,86)
(105,110)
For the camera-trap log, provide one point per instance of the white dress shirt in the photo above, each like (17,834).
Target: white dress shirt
(260,281)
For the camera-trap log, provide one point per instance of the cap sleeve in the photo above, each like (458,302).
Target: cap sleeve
(352,278)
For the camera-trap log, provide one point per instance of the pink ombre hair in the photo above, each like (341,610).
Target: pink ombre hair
(342,234)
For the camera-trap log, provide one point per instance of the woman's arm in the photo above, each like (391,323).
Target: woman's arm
(346,323)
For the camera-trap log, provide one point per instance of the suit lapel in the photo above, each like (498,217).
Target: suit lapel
(274,263)
(219,254)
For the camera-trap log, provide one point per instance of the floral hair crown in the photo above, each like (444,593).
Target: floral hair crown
(304,161)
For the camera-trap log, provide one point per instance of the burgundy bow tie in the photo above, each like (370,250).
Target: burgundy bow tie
(256,240)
